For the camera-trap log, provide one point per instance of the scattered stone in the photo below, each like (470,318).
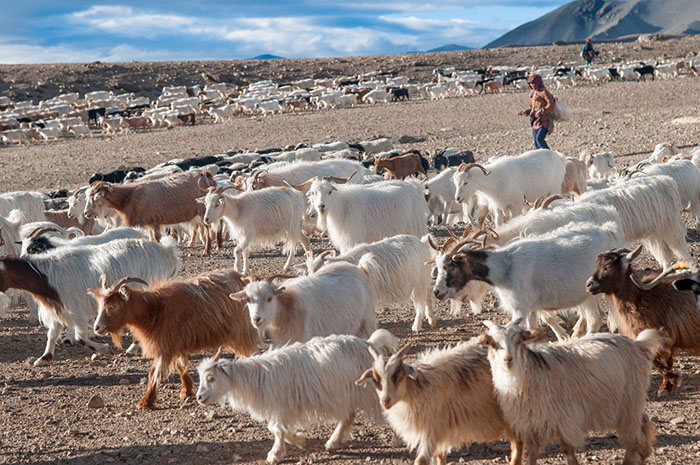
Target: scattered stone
(201,449)
(410,139)
(96,402)
(124,382)
(172,460)
(678,421)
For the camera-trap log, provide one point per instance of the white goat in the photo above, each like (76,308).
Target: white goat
(546,272)
(353,214)
(649,209)
(687,178)
(299,172)
(396,267)
(58,281)
(298,385)
(259,218)
(338,299)
(504,181)
(41,242)
(558,392)
(600,165)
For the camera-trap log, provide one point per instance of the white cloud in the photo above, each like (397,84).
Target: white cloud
(18,53)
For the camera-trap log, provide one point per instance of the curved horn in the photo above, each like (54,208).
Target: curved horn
(280,276)
(326,253)
(528,203)
(467,166)
(548,201)
(78,191)
(199,184)
(120,282)
(445,246)
(225,188)
(340,180)
(637,280)
(432,244)
(97,184)
(452,235)
(217,356)
(39,231)
(304,186)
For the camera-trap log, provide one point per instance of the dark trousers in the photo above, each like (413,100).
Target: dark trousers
(539,135)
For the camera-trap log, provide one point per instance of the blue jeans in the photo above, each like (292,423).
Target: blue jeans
(539,135)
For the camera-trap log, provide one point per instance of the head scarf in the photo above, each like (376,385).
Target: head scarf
(536,81)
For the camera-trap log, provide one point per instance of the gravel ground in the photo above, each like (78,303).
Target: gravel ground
(43,411)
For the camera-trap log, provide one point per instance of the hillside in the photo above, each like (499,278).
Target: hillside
(148,78)
(606,20)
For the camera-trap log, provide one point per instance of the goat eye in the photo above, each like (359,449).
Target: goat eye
(269,299)
(210,379)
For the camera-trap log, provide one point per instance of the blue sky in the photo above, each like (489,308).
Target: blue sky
(45,31)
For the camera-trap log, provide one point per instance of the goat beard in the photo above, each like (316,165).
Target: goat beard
(117,339)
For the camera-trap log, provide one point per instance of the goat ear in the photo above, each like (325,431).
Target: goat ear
(367,375)
(103,281)
(687,284)
(238,296)
(200,200)
(410,371)
(486,340)
(460,257)
(124,292)
(92,292)
(280,290)
(535,335)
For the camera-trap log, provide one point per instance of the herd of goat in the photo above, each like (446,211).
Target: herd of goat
(70,115)
(104,257)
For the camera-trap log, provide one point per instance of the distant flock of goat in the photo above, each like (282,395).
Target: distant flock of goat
(561,243)
(70,115)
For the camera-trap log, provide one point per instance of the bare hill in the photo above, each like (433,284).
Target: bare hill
(605,20)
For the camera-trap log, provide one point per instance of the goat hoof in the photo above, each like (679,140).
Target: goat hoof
(145,406)
(331,446)
(272,459)
(43,361)
(186,395)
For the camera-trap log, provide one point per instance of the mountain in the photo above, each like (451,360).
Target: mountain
(606,19)
(449,48)
(266,56)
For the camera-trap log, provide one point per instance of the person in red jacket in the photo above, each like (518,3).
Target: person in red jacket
(541,105)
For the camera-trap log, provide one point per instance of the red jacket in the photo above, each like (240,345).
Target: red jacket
(541,102)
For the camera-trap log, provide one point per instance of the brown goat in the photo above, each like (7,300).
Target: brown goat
(152,204)
(648,303)
(61,218)
(174,319)
(136,122)
(400,167)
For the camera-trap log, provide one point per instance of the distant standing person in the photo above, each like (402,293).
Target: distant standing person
(587,52)
(541,105)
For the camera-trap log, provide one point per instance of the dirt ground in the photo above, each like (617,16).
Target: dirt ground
(43,413)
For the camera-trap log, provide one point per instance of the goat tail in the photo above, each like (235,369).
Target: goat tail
(652,340)
(169,242)
(384,339)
